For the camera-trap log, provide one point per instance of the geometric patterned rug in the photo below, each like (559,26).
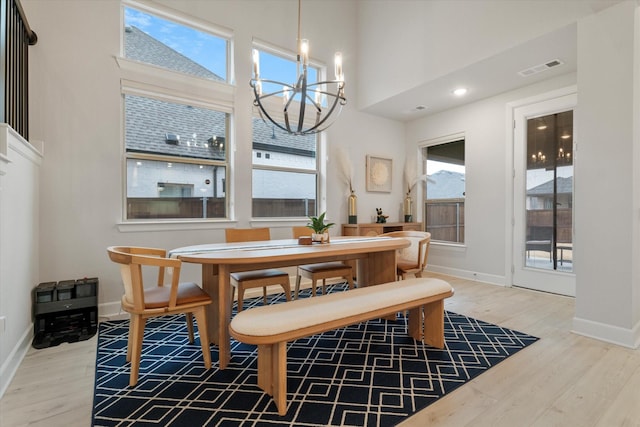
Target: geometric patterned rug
(370,374)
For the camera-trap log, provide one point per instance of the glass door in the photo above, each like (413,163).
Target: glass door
(543,212)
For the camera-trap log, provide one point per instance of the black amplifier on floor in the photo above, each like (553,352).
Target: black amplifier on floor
(66,311)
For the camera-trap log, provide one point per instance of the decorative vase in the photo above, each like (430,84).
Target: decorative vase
(407,209)
(353,208)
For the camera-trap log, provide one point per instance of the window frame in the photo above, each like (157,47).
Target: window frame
(422,147)
(319,167)
(150,81)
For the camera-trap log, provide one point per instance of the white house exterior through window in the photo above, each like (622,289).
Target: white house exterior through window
(176,139)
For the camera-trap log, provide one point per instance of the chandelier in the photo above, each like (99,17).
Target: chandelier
(307,107)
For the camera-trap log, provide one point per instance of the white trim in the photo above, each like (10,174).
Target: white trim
(441,140)
(110,310)
(178,17)
(420,200)
(558,93)
(12,363)
(160,84)
(519,111)
(8,139)
(491,279)
(288,54)
(133,226)
(625,337)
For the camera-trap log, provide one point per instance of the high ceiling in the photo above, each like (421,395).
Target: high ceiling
(492,76)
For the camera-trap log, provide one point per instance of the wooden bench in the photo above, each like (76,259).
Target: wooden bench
(271,327)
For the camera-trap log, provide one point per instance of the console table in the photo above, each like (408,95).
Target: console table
(375,228)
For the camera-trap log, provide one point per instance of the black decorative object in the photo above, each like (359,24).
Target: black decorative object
(381,218)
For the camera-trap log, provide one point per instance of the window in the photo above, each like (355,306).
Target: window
(285,167)
(176,138)
(284,179)
(176,160)
(549,192)
(445,190)
(167,44)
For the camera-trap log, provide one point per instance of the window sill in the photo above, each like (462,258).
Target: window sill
(141,226)
(278,222)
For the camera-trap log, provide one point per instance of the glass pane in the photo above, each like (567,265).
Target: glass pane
(282,70)
(283,194)
(161,190)
(549,186)
(445,191)
(274,148)
(277,192)
(167,44)
(160,127)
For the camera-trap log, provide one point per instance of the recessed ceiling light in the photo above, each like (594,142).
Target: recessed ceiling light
(565,136)
(542,127)
(420,107)
(460,91)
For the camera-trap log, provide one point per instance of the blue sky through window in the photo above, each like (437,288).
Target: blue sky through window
(203,48)
(273,67)
(211,51)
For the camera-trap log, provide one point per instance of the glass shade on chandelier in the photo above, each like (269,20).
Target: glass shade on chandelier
(307,107)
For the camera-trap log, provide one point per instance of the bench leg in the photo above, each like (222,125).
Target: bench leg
(264,369)
(434,324)
(414,323)
(272,373)
(279,376)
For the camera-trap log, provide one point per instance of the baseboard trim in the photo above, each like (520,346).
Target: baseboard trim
(11,365)
(624,337)
(469,275)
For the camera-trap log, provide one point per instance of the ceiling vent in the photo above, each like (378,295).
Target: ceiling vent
(540,68)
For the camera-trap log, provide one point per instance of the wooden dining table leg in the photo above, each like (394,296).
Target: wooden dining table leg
(215,281)
(210,286)
(224,315)
(377,268)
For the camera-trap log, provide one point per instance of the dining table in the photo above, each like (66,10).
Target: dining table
(375,258)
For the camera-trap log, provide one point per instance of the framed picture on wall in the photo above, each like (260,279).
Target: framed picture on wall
(379,174)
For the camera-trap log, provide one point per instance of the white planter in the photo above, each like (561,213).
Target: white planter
(320,237)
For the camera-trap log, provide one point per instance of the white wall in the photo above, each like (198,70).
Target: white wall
(78,115)
(488,197)
(607,186)
(19,260)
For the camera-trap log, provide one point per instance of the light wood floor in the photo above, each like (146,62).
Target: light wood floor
(562,380)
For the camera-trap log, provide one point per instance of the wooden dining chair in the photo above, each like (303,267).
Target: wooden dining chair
(258,278)
(413,259)
(320,271)
(142,303)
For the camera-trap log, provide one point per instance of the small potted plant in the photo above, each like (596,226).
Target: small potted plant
(320,228)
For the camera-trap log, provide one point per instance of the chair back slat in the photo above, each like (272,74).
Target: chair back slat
(233,235)
(131,260)
(125,274)
(301,231)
